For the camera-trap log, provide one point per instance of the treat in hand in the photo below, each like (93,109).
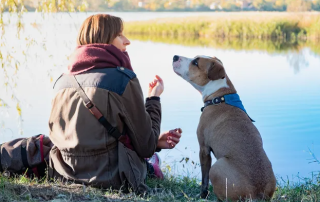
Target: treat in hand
(169,139)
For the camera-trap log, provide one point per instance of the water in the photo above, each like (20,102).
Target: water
(280,90)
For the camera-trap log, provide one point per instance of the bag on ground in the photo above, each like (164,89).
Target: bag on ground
(25,156)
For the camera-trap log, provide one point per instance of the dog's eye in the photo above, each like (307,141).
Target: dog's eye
(195,62)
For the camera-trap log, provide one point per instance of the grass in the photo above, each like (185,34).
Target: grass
(235,25)
(172,189)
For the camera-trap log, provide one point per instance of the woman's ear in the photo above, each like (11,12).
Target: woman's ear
(216,71)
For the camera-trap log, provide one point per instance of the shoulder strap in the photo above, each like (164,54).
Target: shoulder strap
(95,111)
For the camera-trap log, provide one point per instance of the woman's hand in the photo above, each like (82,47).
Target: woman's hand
(156,87)
(169,139)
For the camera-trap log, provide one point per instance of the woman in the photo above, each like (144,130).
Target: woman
(85,151)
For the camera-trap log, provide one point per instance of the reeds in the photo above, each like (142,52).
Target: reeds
(287,26)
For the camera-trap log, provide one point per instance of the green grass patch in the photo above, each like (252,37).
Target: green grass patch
(171,189)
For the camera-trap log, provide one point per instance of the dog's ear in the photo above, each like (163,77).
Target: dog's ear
(216,70)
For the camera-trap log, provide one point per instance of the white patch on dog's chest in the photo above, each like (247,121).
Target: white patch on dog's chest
(213,86)
(196,86)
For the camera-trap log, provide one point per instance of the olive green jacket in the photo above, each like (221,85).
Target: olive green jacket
(84,152)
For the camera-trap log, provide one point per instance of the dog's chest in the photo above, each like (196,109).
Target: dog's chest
(211,129)
(211,118)
(208,125)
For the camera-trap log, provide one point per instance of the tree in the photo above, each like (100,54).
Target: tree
(155,5)
(9,63)
(298,5)
(263,5)
(316,5)
(280,5)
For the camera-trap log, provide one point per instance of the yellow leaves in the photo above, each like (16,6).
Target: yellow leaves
(168,168)
(2,103)
(17,67)
(46,6)
(83,6)
(18,109)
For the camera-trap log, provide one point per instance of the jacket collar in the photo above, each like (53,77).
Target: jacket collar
(230,99)
(97,56)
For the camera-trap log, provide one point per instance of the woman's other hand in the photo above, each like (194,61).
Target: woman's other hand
(169,139)
(156,87)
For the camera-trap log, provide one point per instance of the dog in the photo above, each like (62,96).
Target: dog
(242,170)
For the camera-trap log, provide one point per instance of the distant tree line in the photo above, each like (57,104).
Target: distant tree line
(193,5)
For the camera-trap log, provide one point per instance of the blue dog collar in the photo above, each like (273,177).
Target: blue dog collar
(230,99)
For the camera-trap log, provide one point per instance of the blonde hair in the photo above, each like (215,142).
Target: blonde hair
(100,28)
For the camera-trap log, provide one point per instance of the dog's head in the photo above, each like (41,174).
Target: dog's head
(206,74)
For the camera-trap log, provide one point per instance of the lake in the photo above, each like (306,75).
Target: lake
(279,87)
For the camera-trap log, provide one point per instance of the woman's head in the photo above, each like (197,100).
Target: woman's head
(103,29)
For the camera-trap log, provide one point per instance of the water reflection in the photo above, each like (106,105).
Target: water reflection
(297,61)
(293,49)
(270,46)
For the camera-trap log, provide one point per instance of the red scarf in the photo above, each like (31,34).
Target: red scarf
(97,56)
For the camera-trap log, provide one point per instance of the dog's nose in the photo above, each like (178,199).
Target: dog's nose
(175,58)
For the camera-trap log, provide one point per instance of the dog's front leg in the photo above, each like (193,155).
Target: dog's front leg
(205,161)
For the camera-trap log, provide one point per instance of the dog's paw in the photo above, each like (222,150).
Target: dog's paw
(204,194)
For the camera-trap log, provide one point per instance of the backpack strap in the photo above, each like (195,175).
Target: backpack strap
(24,154)
(29,171)
(95,111)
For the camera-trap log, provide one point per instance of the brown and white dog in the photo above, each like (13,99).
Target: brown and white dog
(242,170)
